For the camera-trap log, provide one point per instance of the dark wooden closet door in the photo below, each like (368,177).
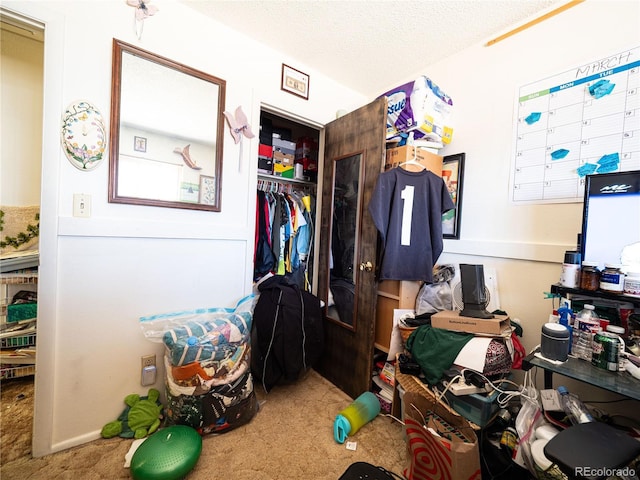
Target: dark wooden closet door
(353,158)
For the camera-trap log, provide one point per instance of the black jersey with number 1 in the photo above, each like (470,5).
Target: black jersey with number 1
(407,210)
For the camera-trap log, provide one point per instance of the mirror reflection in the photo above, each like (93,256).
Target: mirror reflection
(344,245)
(166,132)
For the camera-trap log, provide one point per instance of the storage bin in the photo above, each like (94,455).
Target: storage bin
(477,408)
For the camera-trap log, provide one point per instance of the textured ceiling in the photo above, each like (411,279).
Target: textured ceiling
(370,46)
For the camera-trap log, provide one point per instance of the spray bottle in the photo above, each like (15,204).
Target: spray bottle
(565,314)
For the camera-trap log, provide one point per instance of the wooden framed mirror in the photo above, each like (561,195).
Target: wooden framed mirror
(167,128)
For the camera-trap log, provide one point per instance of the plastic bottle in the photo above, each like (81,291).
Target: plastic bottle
(363,409)
(573,407)
(565,314)
(587,324)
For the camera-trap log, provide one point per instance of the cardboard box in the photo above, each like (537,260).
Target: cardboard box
(452,320)
(284,171)
(283,158)
(265,150)
(265,165)
(395,156)
(284,146)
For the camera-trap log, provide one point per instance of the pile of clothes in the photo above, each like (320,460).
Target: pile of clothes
(208,374)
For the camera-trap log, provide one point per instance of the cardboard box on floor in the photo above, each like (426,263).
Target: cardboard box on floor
(452,320)
(431,161)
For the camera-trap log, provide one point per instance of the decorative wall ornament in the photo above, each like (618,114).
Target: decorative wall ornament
(240,127)
(83,135)
(143,11)
(186,157)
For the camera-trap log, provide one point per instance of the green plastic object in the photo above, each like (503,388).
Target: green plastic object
(363,409)
(168,454)
(21,311)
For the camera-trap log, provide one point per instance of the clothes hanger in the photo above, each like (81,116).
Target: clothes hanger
(414,161)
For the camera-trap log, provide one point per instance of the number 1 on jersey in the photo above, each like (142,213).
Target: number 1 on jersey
(407,213)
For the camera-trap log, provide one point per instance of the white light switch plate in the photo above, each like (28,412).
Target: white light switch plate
(81,205)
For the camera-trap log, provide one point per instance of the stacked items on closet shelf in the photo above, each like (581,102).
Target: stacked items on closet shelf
(207,364)
(284,231)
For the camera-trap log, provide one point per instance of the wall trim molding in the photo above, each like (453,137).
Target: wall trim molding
(537,252)
(139,228)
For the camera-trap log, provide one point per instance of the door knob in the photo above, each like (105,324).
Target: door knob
(366,266)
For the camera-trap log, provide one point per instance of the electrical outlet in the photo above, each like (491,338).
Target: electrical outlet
(148,361)
(148,373)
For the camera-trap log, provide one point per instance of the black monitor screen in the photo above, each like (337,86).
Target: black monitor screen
(611,218)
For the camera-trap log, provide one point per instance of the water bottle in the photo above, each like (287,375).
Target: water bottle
(573,407)
(363,409)
(587,324)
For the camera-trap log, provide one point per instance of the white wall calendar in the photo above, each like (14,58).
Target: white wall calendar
(580,122)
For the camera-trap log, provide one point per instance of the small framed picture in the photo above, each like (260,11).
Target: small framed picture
(140,144)
(295,82)
(452,174)
(207,189)
(189,192)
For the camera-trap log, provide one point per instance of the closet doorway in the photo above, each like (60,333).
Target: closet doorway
(22,80)
(353,159)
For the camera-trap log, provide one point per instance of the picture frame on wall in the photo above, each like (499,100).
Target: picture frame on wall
(207,189)
(453,174)
(295,82)
(140,144)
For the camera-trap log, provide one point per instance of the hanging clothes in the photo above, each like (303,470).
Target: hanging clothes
(284,232)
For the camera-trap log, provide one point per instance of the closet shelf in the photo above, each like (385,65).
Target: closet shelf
(277,178)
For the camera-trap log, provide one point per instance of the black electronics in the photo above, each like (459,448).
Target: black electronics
(611,218)
(474,292)
(364,470)
(408,366)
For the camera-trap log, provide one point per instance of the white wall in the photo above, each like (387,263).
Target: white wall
(524,243)
(98,275)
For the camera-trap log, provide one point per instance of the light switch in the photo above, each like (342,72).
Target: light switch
(81,205)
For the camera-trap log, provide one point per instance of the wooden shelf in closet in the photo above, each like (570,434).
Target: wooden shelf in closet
(392,294)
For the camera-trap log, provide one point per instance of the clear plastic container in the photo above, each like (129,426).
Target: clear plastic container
(587,324)
(573,407)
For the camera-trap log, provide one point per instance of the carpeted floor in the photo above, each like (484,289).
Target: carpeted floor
(291,437)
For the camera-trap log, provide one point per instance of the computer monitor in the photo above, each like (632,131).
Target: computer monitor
(611,218)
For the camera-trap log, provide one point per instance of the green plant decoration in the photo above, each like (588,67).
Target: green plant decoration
(21,238)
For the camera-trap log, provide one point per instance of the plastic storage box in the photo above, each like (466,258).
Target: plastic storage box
(477,408)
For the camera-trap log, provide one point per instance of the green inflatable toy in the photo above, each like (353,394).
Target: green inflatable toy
(140,418)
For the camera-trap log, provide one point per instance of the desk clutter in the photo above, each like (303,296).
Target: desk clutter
(603,332)
(464,415)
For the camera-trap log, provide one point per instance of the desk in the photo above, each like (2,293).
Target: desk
(617,382)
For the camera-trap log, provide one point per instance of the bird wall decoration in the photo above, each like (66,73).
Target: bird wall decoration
(186,156)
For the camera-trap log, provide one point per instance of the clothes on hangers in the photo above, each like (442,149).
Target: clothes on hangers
(407,209)
(284,233)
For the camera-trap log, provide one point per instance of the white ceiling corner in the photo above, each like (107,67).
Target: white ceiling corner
(369,46)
